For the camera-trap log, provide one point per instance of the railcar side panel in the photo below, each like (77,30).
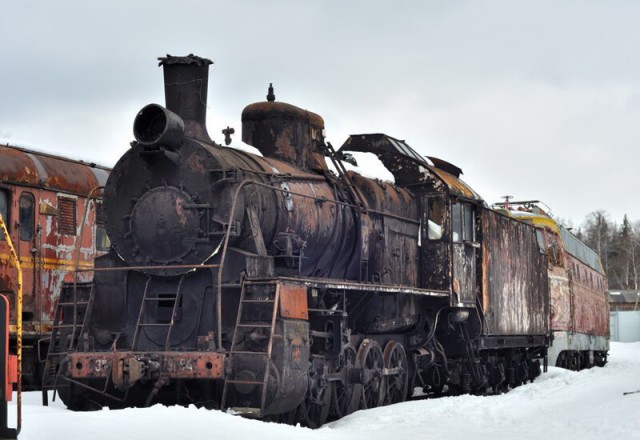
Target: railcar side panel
(590,304)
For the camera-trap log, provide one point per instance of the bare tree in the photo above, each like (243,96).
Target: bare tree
(597,235)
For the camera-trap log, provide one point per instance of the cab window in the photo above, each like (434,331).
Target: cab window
(462,223)
(456,222)
(26,216)
(469,226)
(435,220)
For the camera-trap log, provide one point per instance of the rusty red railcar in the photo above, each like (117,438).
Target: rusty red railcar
(43,199)
(577,291)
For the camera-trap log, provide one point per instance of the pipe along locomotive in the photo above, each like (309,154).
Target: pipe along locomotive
(275,287)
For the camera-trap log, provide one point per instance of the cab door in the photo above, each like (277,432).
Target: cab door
(24,241)
(434,243)
(6,284)
(464,251)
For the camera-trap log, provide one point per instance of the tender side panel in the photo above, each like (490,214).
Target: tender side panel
(514,277)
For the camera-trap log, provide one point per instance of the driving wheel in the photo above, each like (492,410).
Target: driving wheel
(370,361)
(345,394)
(396,376)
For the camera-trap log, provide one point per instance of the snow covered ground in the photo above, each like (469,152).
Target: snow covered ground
(559,405)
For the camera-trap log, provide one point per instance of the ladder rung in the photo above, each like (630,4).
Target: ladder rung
(159,299)
(263,353)
(245,382)
(153,324)
(254,325)
(247,410)
(65,326)
(258,301)
(79,303)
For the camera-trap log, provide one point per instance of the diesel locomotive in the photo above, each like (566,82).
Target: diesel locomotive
(282,289)
(46,201)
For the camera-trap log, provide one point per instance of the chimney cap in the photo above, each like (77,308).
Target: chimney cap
(189,59)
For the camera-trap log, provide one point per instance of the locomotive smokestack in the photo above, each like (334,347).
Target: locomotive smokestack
(186,82)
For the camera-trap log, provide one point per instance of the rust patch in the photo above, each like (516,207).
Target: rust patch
(128,367)
(293,301)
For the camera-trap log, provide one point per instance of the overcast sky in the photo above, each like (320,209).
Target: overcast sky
(534,99)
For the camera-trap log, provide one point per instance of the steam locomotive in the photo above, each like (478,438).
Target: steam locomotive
(276,287)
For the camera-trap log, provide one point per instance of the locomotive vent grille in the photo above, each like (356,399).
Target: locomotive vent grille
(66,216)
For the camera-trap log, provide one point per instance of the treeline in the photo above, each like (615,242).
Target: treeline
(618,246)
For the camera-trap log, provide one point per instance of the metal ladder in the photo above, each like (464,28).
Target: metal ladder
(73,331)
(252,301)
(146,299)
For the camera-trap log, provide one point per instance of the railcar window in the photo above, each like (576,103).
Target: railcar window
(4,210)
(456,222)
(579,274)
(436,215)
(26,216)
(540,237)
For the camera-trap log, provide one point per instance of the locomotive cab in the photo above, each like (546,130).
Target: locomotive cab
(449,241)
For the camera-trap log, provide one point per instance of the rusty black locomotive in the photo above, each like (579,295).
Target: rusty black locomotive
(279,288)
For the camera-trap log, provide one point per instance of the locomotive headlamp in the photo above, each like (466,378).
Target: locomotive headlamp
(155,125)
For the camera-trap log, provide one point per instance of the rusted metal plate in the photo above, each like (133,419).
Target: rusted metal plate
(514,277)
(293,301)
(178,365)
(454,185)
